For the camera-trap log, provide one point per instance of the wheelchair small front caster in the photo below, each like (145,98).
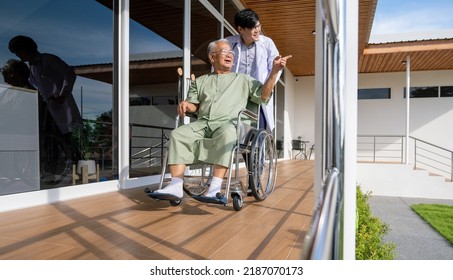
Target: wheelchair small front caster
(175,202)
(237,202)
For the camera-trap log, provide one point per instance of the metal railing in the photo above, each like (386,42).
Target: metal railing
(98,141)
(324,241)
(433,158)
(390,149)
(380,148)
(318,243)
(147,143)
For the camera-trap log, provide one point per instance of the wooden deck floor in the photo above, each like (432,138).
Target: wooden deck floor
(128,225)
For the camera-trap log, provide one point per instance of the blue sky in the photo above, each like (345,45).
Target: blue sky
(399,20)
(94,24)
(80,32)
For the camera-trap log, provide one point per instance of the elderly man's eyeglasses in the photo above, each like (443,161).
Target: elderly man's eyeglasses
(224,52)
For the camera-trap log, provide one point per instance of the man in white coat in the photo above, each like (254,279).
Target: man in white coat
(254,55)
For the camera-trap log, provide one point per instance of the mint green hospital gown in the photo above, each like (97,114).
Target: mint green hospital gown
(211,137)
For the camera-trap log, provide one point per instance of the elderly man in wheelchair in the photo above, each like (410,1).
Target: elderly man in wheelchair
(216,99)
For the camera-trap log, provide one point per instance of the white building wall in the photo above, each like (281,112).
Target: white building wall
(290,111)
(430,118)
(305,109)
(300,110)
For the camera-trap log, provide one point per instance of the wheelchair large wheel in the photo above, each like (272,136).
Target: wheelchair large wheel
(197,179)
(262,165)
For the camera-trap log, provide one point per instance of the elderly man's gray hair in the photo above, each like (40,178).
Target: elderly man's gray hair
(212,45)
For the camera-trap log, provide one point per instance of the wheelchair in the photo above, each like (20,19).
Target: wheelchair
(255,148)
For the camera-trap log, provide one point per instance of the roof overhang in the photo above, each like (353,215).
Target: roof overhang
(290,23)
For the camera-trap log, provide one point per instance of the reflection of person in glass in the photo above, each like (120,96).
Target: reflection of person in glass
(54,80)
(15,72)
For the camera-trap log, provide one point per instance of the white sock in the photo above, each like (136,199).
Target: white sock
(214,187)
(174,188)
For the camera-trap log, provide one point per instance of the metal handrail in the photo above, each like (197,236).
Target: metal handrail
(375,143)
(323,241)
(330,17)
(146,152)
(432,159)
(430,156)
(319,244)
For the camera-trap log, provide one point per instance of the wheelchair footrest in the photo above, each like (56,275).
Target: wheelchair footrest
(163,196)
(222,200)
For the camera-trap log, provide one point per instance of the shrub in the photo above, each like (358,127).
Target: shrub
(370,231)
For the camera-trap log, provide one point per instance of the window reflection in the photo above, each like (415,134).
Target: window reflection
(80,33)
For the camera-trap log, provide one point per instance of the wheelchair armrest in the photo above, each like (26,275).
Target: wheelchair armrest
(247,113)
(243,127)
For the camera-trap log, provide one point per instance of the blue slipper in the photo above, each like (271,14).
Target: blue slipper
(222,200)
(164,196)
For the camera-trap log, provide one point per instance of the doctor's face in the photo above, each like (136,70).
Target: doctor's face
(250,35)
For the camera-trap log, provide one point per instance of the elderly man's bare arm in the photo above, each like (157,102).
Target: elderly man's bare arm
(278,64)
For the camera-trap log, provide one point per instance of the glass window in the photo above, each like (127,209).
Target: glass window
(229,13)
(374,93)
(216,4)
(446,91)
(423,92)
(156,34)
(80,34)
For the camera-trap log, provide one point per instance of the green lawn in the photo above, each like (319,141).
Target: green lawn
(439,216)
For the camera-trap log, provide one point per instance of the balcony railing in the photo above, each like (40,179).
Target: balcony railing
(146,145)
(431,157)
(390,149)
(380,148)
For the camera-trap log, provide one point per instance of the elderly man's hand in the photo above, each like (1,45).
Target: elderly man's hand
(182,108)
(185,107)
(280,62)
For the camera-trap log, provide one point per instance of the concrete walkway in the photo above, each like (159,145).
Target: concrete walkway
(414,238)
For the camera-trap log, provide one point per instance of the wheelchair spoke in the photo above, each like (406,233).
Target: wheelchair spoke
(262,166)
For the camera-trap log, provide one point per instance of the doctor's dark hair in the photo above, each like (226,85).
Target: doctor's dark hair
(246,18)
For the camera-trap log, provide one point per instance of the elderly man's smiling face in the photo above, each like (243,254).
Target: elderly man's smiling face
(222,58)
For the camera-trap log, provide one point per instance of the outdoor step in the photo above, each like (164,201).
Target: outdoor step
(402,180)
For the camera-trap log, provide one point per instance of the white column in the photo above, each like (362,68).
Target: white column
(186,51)
(123,88)
(348,83)
(408,92)
(318,105)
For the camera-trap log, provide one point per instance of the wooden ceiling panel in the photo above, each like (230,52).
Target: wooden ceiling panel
(424,55)
(290,23)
